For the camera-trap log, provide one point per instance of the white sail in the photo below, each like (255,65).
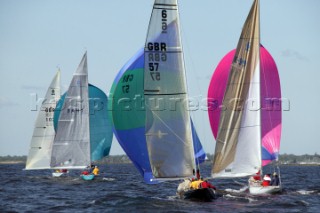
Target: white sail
(71,147)
(43,134)
(238,147)
(168,128)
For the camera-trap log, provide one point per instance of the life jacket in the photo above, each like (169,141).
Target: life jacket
(204,185)
(265,183)
(196,184)
(257,177)
(85,172)
(95,171)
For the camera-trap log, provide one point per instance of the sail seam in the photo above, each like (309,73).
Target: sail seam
(168,5)
(166,94)
(167,51)
(163,8)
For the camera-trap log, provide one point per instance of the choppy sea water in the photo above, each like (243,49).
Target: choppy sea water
(121,189)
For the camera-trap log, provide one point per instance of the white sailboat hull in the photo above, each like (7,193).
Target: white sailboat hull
(256,189)
(58,174)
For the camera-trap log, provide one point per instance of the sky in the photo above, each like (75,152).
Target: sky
(37,36)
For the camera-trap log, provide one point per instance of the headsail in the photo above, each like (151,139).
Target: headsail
(100,123)
(128,114)
(238,147)
(71,147)
(43,133)
(168,127)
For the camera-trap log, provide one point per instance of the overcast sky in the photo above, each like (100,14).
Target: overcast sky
(36,36)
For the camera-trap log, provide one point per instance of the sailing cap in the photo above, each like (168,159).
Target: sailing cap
(266,177)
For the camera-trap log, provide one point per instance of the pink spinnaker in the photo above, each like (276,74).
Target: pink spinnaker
(270,101)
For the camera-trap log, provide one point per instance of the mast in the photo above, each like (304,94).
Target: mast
(261,171)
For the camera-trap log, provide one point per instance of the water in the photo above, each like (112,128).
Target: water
(120,189)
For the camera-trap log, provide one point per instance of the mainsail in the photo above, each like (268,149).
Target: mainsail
(168,126)
(100,124)
(71,147)
(238,147)
(43,133)
(128,113)
(270,101)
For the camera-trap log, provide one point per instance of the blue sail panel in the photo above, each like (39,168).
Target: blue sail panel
(199,152)
(128,119)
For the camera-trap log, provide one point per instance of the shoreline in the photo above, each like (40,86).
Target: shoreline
(284,164)
(12,162)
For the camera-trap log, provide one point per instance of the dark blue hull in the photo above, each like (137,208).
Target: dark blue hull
(204,194)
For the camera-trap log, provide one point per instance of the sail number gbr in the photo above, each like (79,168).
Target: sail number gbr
(158,50)
(157,55)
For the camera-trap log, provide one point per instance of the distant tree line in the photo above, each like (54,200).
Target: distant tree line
(290,158)
(119,159)
(293,159)
(14,158)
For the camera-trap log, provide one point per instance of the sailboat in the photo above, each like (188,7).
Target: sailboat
(43,134)
(150,115)
(246,90)
(71,146)
(168,127)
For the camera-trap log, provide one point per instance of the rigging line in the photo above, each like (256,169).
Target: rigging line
(169,128)
(192,114)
